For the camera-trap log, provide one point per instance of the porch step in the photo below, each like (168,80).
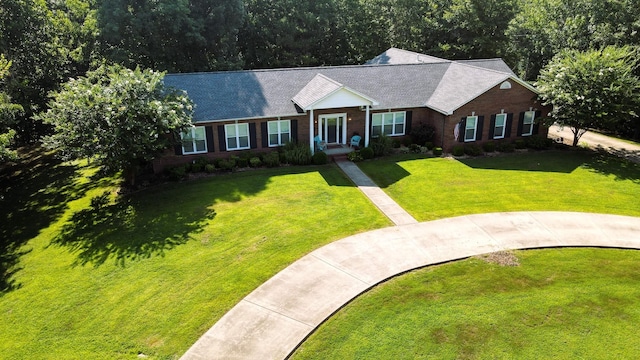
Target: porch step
(338,157)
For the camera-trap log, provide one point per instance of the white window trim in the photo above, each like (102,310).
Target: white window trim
(393,123)
(226,137)
(193,141)
(504,126)
(279,133)
(475,128)
(533,119)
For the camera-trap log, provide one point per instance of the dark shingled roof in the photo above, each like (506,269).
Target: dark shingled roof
(439,84)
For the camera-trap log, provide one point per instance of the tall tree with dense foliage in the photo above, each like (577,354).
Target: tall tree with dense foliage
(119,117)
(591,89)
(8,115)
(543,28)
(171,35)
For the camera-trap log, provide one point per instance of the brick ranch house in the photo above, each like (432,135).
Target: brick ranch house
(468,101)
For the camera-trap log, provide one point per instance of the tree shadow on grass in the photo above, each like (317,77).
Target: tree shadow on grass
(621,167)
(127,230)
(34,192)
(540,161)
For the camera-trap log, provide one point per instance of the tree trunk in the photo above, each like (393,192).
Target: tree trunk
(130,175)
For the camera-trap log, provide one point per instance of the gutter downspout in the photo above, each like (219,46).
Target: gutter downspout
(444,120)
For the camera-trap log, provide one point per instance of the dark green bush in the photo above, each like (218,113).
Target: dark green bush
(271,159)
(437,151)
(422,133)
(196,167)
(538,142)
(297,154)
(414,148)
(242,162)
(505,147)
(209,168)
(395,144)
(473,150)
(354,156)
(489,147)
(178,172)
(320,158)
(367,153)
(429,145)
(255,162)
(227,164)
(458,150)
(520,144)
(381,145)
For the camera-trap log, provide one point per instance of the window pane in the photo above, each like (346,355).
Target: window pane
(284,126)
(273,127)
(399,118)
(377,120)
(200,145)
(500,120)
(388,129)
(243,129)
(187,147)
(244,141)
(376,130)
(399,129)
(284,138)
(273,139)
(232,143)
(469,134)
(528,117)
(199,133)
(526,129)
(186,135)
(471,122)
(230,130)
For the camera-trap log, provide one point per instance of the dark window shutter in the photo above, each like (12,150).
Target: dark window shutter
(253,141)
(536,123)
(461,129)
(177,148)
(507,130)
(209,132)
(408,118)
(265,135)
(294,131)
(520,124)
(222,138)
(479,127)
(492,126)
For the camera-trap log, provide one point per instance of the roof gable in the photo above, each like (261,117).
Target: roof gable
(324,93)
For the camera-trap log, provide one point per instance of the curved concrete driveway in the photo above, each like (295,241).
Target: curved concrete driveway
(275,318)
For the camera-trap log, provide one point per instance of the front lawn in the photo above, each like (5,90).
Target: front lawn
(434,188)
(152,272)
(558,304)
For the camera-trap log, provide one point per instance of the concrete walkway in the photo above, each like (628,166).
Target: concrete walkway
(378,197)
(280,314)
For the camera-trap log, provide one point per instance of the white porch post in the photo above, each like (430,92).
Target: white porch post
(311,141)
(345,120)
(367,126)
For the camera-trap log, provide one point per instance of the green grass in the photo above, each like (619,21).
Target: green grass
(433,188)
(558,304)
(153,271)
(150,272)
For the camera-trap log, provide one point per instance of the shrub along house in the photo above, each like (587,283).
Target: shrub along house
(470,101)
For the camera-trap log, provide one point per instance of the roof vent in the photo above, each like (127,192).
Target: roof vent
(505,85)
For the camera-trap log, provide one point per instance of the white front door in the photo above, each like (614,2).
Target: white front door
(332,128)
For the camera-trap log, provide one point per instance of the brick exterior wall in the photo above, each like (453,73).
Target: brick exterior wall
(514,100)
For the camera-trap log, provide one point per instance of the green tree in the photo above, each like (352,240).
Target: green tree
(119,117)
(171,35)
(543,28)
(8,114)
(591,89)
